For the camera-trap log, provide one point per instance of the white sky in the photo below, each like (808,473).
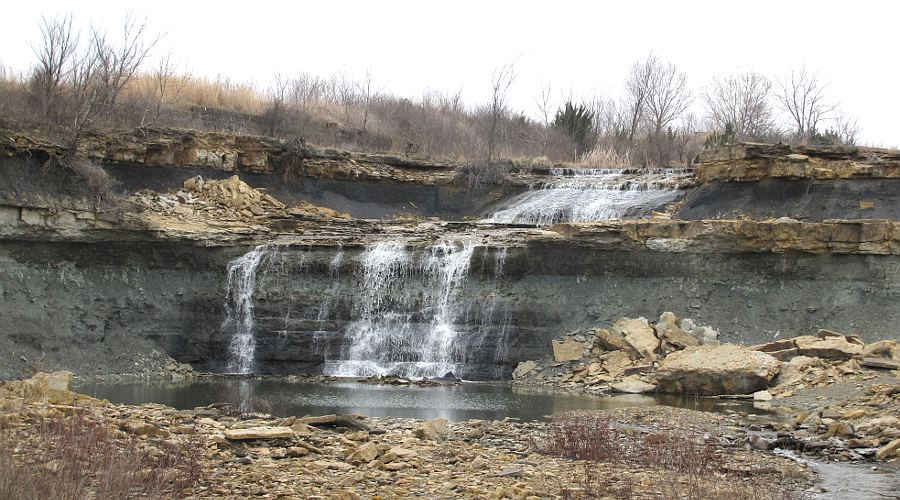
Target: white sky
(580,47)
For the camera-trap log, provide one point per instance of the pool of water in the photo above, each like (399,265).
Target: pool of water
(453,402)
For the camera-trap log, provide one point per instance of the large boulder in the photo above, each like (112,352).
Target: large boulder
(568,349)
(639,335)
(713,370)
(611,341)
(53,388)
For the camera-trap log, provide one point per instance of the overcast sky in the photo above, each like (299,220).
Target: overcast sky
(581,47)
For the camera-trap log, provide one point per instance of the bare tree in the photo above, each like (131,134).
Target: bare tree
(345,93)
(275,114)
(118,63)
(544,103)
(164,85)
(637,89)
(741,100)
(501,79)
(305,90)
(365,96)
(802,95)
(56,56)
(846,129)
(668,96)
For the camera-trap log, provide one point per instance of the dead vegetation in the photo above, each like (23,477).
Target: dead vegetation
(76,457)
(679,463)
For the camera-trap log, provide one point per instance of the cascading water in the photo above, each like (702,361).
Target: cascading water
(397,331)
(583,195)
(238,322)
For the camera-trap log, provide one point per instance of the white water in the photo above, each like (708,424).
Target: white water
(591,195)
(239,309)
(399,331)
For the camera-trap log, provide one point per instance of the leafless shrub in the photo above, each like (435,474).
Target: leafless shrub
(75,457)
(96,179)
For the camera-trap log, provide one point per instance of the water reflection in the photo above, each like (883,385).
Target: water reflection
(456,402)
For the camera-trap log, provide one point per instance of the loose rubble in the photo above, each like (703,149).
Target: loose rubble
(351,456)
(228,202)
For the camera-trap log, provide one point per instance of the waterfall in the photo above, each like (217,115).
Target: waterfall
(573,195)
(238,323)
(406,312)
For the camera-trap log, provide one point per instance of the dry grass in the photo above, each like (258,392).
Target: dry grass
(683,465)
(75,458)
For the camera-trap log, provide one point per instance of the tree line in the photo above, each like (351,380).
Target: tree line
(102,81)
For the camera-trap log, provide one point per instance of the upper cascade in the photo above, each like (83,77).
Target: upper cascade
(585,195)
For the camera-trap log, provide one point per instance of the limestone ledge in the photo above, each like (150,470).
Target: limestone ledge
(753,162)
(234,153)
(879,237)
(876,237)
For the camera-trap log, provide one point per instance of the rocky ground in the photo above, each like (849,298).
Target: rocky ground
(210,452)
(833,395)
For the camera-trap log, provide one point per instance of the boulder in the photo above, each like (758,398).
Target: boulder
(837,348)
(615,362)
(364,454)
(794,370)
(881,363)
(714,370)
(523,368)
(433,430)
(568,349)
(888,450)
(667,328)
(639,335)
(53,388)
(633,385)
(611,341)
(259,433)
(882,349)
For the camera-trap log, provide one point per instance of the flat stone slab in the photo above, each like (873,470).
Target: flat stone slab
(259,433)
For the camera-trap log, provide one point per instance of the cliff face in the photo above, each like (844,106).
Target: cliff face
(101,305)
(815,184)
(100,292)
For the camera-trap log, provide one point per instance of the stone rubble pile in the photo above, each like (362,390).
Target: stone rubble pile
(228,200)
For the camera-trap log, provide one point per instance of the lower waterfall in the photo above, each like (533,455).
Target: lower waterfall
(400,333)
(239,323)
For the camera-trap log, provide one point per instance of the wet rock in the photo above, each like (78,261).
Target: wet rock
(523,369)
(633,385)
(713,370)
(258,433)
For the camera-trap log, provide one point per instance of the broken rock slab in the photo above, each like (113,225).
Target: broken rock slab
(568,349)
(639,335)
(259,433)
(716,370)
